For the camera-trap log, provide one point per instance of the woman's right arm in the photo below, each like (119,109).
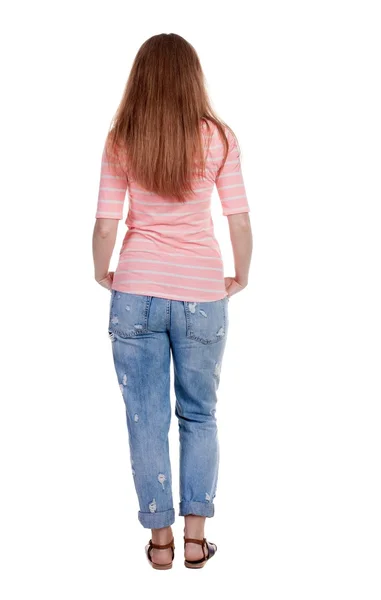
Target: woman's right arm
(235,206)
(242,245)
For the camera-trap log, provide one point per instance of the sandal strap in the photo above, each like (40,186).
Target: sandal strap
(162,546)
(194,541)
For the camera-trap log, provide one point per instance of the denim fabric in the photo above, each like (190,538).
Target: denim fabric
(145,332)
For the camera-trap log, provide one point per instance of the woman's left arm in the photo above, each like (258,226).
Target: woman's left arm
(104,236)
(112,192)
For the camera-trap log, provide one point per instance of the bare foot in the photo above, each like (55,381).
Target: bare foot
(161,536)
(193,551)
(194,528)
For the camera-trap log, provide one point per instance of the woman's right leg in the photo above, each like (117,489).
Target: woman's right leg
(198,339)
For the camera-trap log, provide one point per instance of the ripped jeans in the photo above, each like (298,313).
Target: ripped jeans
(144,332)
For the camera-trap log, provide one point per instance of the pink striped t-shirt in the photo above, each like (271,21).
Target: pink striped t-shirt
(169,249)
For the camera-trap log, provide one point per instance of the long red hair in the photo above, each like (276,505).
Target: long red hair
(155,135)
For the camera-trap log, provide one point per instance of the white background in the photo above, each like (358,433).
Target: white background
(298,504)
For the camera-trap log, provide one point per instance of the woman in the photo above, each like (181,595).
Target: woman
(169,296)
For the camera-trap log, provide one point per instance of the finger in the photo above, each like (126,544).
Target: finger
(234,288)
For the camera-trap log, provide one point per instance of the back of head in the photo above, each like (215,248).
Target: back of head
(156,134)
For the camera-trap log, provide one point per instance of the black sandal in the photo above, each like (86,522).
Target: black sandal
(197,564)
(151,545)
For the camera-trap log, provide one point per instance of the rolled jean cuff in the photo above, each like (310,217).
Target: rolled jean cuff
(202,509)
(157,520)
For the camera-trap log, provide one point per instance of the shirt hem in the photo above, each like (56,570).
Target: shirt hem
(167,296)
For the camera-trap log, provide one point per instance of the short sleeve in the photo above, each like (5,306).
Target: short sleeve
(112,190)
(230,184)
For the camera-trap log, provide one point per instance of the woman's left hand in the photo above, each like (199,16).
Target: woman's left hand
(107,281)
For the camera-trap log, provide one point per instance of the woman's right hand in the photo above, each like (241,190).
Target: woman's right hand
(233,287)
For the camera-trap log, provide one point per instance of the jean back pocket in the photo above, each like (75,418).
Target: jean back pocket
(207,322)
(128,314)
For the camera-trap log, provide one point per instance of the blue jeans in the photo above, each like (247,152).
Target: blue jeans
(145,331)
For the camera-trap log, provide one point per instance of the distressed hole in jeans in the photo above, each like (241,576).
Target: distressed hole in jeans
(161,478)
(192,306)
(152,506)
(217,369)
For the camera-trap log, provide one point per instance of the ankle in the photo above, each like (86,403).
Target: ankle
(162,536)
(193,532)
(194,527)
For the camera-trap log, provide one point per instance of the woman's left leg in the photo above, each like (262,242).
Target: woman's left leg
(141,352)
